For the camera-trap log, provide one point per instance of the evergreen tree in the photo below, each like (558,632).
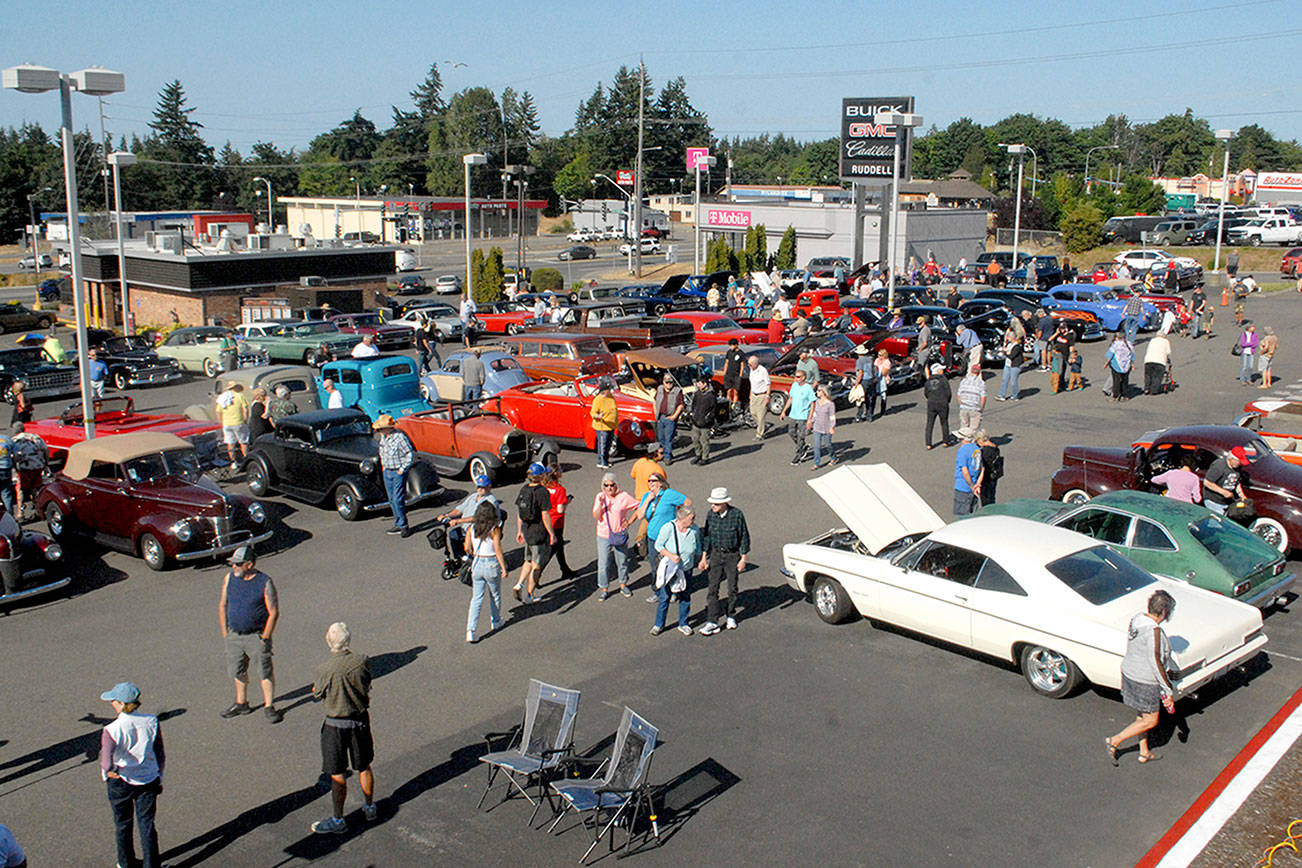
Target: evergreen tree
(1141,196)
(176,139)
(428,96)
(1081,226)
(787,249)
(477,262)
(488,286)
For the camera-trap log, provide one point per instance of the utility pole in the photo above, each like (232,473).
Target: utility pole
(728,179)
(636,239)
(104,150)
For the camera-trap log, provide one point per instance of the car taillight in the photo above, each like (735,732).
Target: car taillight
(1242,588)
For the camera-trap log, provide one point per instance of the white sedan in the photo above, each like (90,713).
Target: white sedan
(1052,601)
(1144,260)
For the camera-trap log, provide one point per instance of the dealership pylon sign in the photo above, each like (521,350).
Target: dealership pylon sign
(867,147)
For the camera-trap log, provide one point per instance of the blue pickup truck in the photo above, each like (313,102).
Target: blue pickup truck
(380,384)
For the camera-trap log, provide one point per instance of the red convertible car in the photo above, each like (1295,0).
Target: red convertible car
(562,412)
(712,328)
(117,415)
(1274,485)
(465,439)
(388,338)
(504,317)
(145,494)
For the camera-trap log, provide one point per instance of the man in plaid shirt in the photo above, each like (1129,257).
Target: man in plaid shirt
(727,541)
(396,457)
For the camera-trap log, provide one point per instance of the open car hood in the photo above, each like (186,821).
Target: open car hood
(876,504)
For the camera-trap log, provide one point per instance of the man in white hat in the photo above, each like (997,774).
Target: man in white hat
(726,544)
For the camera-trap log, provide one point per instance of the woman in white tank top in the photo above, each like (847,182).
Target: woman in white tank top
(484,545)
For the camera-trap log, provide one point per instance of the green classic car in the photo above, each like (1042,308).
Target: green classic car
(298,341)
(198,349)
(1170,538)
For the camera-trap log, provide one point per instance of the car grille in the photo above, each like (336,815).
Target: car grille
(52,383)
(253,360)
(517,448)
(156,374)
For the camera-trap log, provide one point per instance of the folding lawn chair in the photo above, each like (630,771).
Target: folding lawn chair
(622,793)
(534,749)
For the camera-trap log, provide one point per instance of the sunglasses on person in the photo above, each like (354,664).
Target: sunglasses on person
(607,485)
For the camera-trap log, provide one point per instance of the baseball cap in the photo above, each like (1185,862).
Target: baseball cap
(242,555)
(482,481)
(1240,453)
(537,468)
(123,691)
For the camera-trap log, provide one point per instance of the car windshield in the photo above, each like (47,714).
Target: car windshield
(343,428)
(315,328)
(1235,548)
(367,319)
(130,343)
(21,358)
(174,462)
(720,324)
(1099,574)
(835,345)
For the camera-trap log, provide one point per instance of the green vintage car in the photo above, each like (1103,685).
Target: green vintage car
(1182,541)
(298,341)
(198,349)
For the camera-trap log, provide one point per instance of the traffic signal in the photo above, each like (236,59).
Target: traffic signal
(605,209)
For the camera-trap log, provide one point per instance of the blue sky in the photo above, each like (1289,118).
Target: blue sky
(285,71)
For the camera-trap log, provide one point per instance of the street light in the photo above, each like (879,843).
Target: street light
(271,205)
(93,82)
(470,160)
(710,163)
(1087,163)
(1035,169)
(629,197)
(899,120)
(1020,152)
(1224,136)
(118,160)
(358,205)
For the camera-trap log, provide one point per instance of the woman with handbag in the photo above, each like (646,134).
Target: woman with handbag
(1247,344)
(679,547)
(1145,684)
(614,511)
(487,566)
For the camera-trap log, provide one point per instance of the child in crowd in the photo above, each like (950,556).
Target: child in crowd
(1074,378)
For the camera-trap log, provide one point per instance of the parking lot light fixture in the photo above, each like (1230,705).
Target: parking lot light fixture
(900,121)
(470,160)
(1018,151)
(92,82)
(1223,136)
(271,204)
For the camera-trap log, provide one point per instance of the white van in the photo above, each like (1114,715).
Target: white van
(404,260)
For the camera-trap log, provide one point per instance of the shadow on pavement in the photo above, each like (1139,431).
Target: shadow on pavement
(205,846)
(381,665)
(682,798)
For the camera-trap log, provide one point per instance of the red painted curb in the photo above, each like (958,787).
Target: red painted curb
(1218,785)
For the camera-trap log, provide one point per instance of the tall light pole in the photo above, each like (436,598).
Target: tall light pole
(1088,186)
(1020,152)
(1224,137)
(118,160)
(709,163)
(901,121)
(93,82)
(636,240)
(519,174)
(1035,169)
(358,205)
(470,160)
(31,208)
(271,205)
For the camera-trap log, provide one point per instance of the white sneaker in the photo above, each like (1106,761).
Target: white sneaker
(709,628)
(686,630)
(470,637)
(730,624)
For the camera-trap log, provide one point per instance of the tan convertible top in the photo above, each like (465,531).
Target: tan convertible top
(659,357)
(117,448)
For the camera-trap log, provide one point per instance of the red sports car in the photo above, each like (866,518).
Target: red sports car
(712,328)
(562,412)
(117,415)
(1291,264)
(504,317)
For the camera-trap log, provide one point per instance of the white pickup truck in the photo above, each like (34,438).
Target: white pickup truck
(1267,230)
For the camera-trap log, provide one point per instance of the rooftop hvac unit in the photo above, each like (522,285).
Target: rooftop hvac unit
(259,242)
(312,280)
(167,241)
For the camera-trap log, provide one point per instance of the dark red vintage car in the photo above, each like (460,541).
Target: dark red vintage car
(388,338)
(117,415)
(562,412)
(463,438)
(145,494)
(1274,485)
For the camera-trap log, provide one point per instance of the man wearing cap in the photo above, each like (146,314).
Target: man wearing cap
(248,612)
(702,410)
(727,542)
(669,405)
(131,761)
(968,475)
(1223,481)
(464,512)
(938,394)
(473,375)
(396,457)
(343,684)
(760,384)
(971,399)
(605,417)
(533,530)
(796,411)
(865,377)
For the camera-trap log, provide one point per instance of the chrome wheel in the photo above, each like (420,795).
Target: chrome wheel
(211,369)
(1048,672)
(258,482)
(830,600)
(347,503)
(777,403)
(479,467)
(152,552)
(1271,532)
(54,520)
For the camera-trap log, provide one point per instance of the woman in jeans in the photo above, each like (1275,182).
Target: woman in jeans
(614,511)
(1008,387)
(131,760)
(822,421)
(1248,342)
(1119,359)
(484,544)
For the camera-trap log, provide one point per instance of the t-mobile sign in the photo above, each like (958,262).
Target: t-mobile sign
(867,147)
(695,154)
(726,219)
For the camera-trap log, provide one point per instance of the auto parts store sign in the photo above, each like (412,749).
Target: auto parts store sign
(868,148)
(721,218)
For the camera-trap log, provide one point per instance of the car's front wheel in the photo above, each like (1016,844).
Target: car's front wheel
(1075,496)
(151,551)
(1049,673)
(312,358)
(55,520)
(259,478)
(661,309)
(830,600)
(44,322)
(348,502)
(479,467)
(514,329)
(120,381)
(1271,532)
(211,369)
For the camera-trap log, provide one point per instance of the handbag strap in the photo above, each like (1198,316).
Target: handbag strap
(605,509)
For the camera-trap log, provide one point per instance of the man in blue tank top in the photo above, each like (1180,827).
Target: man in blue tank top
(248,612)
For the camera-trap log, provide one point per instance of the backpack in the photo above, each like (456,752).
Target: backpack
(527,505)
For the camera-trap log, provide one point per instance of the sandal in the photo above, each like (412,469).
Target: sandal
(1112,752)
(1150,757)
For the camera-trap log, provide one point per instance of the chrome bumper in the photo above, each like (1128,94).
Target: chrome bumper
(226,547)
(149,378)
(1263,598)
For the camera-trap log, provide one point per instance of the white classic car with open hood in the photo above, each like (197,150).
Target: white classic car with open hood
(1050,600)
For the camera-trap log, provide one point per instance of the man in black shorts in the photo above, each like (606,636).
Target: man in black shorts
(343,683)
(734,361)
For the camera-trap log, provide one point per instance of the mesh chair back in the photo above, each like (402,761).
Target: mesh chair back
(634,743)
(548,718)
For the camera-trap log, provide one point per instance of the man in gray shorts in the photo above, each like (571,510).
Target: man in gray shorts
(248,613)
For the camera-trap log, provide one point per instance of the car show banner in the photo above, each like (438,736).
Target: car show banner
(867,147)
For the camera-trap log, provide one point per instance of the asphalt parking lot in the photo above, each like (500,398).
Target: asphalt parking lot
(785,741)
